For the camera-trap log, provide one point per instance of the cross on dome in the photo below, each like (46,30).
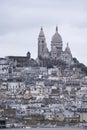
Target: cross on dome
(41,28)
(56,28)
(67,44)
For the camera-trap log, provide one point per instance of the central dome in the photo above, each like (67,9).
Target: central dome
(56,37)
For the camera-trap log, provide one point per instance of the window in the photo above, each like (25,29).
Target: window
(42,41)
(35,89)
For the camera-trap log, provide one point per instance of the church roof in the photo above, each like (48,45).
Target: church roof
(56,37)
(41,34)
(67,49)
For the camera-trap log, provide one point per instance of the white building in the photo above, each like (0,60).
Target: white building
(40,89)
(15,86)
(56,48)
(3,66)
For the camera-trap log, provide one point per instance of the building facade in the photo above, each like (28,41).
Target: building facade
(56,51)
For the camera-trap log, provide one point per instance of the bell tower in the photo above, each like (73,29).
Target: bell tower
(42,46)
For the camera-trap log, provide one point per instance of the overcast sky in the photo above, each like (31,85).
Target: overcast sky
(21,20)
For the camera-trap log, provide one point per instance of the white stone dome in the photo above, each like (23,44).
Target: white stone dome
(56,37)
(67,49)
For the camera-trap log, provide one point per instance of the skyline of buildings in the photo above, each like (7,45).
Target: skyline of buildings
(21,20)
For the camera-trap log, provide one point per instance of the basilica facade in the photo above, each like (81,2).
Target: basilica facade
(56,51)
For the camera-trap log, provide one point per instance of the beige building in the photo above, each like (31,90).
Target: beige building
(83,117)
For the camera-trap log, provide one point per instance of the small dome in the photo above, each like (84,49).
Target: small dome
(56,37)
(67,50)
